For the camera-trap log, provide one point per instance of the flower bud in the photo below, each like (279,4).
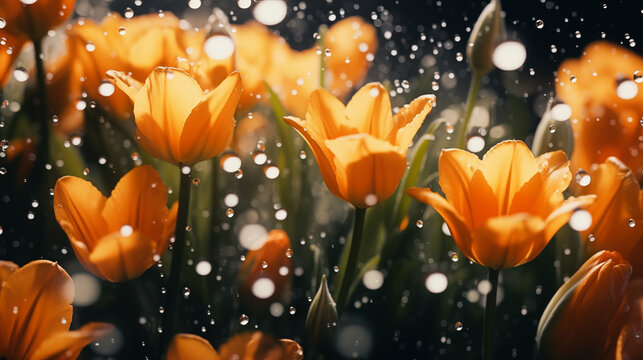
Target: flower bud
(483,39)
(266,275)
(322,315)
(554,131)
(578,321)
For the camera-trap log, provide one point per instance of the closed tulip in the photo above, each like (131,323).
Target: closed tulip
(249,345)
(580,321)
(629,345)
(361,148)
(266,274)
(36,313)
(32,19)
(617,212)
(606,104)
(502,210)
(116,238)
(176,122)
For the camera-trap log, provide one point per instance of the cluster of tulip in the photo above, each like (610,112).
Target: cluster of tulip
(184,87)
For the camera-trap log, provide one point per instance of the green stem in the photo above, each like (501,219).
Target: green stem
(42,116)
(173,291)
(474,88)
(490,316)
(353,252)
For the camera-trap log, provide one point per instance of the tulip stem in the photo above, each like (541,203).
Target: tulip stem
(346,280)
(172,295)
(43,145)
(490,316)
(474,88)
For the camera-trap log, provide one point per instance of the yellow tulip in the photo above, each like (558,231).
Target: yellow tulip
(116,238)
(176,122)
(36,313)
(617,213)
(361,148)
(244,346)
(582,320)
(502,210)
(606,104)
(32,19)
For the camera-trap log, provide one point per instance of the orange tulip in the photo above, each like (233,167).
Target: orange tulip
(64,91)
(9,51)
(118,237)
(136,46)
(293,75)
(266,274)
(176,122)
(360,148)
(244,346)
(617,213)
(502,210)
(629,345)
(582,319)
(33,19)
(36,312)
(606,106)
(20,156)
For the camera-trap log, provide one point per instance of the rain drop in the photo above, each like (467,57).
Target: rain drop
(583,178)
(638,77)
(552,129)
(186,292)
(458,326)
(292,310)
(419,224)
(243,320)
(631,223)
(129,13)
(90,47)
(540,24)
(21,74)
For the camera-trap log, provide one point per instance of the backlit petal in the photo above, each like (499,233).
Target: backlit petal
(119,257)
(365,167)
(563,213)
(190,347)
(209,127)
(408,120)
(68,345)
(554,168)
(326,118)
(7,57)
(369,111)
(456,168)
(126,83)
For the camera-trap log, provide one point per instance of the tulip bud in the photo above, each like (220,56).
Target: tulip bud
(483,39)
(554,131)
(577,321)
(322,315)
(266,275)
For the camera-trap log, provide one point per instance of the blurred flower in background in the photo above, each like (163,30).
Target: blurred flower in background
(249,345)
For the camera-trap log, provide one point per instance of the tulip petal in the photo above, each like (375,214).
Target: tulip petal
(482,200)
(35,304)
(325,118)
(139,200)
(530,198)
(68,345)
(366,166)
(7,57)
(190,347)
(508,241)
(126,83)
(78,206)
(369,111)
(161,109)
(6,268)
(457,227)
(456,168)
(121,257)
(507,166)
(209,127)
(617,202)
(292,350)
(252,345)
(323,156)
(409,119)
(554,169)
(563,213)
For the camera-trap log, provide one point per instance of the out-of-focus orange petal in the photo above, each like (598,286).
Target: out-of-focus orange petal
(367,169)
(630,343)
(456,223)
(64,90)
(209,127)
(576,322)
(369,110)
(190,347)
(563,213)
(8,53)
(616,213)
(252,345)
(161,109)
(508,241)
(507,166)
(456,167)
(6,268)
(35,303)
(33,20)
(408,120)
(68,345)
(292,350)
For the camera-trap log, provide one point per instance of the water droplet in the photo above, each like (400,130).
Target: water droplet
(3,23)
(419,224)
(580,220)
(540,24)
(335,268)
(631,223)
(230,162)
(449,128)
(161,310)
(552,129)
(21,74)
(327,52)
(122,31)
(186,292)
(259,157)
(271,171)
(3,170)
(435,86)
(90,47)
(454,256)
(638,77)
(129,13)
(63,321)
(243,320)
(292,310)
(14,310)
(238,175)
(86,171)
(583,178)
(458,326)
(229,212)
(591,238)
(573,78)
(289,253)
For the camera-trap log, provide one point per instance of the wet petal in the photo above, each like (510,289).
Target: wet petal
(68,345)
(365,167)
(507,167)
(119,257)
(126,83)
(409,119)
(554,170)
(190,347)
(209,127)
(35,304)
(369,111)
(326,118)
(7,57)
